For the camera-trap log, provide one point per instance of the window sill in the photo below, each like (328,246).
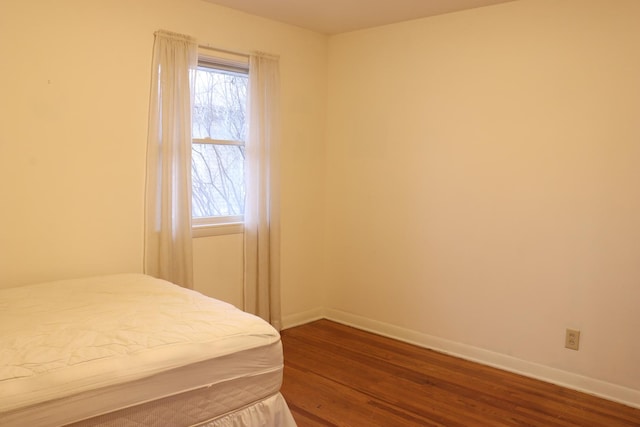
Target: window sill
(209,230)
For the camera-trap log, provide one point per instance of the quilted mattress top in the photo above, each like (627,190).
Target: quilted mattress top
(66,337)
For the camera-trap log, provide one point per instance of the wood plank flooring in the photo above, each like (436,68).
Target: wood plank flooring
(335,375)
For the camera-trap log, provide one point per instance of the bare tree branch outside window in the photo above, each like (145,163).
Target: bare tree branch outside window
(219,118)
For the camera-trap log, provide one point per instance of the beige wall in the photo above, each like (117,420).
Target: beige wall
(483,183)
(73,120)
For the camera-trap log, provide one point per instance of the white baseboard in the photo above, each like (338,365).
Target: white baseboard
(609,391)
(302,318)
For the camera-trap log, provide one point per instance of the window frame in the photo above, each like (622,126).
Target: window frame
(230,224)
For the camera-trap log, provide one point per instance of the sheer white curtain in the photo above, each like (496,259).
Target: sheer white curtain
(262,179)
(168,246)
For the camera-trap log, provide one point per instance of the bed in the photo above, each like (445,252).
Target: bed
(132,350)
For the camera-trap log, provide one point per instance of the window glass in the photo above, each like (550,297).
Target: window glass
(219,129)
(220,105)
(218,180)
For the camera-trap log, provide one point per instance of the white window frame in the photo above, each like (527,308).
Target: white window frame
(219,225)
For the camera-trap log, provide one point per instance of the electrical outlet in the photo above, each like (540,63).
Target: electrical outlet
(572,339)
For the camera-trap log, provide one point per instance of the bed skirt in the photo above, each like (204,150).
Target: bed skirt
(271,412)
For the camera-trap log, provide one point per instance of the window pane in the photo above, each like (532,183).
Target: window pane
(219,107)
(218,180)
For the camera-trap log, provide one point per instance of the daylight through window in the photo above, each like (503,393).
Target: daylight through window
(219,131)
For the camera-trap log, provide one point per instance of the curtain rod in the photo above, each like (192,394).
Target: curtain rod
(238,53)
(230,52)
(217,49)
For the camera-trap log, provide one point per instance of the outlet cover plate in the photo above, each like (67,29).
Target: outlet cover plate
(572,339)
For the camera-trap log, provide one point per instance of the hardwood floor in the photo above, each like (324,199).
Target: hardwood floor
(335,375)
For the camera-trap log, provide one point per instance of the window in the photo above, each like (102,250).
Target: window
(219,130)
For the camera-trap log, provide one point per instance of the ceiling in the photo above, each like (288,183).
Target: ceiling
(339,16)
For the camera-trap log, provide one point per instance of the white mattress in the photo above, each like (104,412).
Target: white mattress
(71,350)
